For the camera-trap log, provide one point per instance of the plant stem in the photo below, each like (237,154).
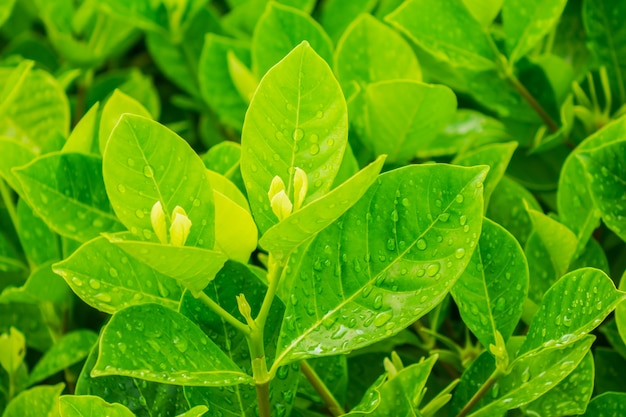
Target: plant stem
(484,389)
(263,399)
(8,202)
(259,370)
(275,270)
(316,382)
(207,301)
(530,99)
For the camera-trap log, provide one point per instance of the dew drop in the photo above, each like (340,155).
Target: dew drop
(314,149)
(432,269)
(391,244)
(378,302)
(298,134)
(139,213)
(421,244)
(121,188)
(382,318)
(459,198)
(148,171)
(94,283)
(113,272)
(463,220)
(459,253)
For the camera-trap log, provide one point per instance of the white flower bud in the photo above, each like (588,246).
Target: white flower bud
(179,230)
(300,187)
(157,217)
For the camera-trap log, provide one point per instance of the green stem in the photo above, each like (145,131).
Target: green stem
(8,202)
(263,399)
(207,301)
(484,389)
(81,95)
(275,270)
(316,382)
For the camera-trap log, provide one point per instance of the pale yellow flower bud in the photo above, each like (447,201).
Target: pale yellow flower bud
(300,187)
(276,186)
(179,230)
(159,225)
(281,205)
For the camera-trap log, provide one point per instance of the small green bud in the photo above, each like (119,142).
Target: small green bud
(244,308)
(157,217)
(500,353)
(276,186)
(179,230)
(281,205)
(300,187)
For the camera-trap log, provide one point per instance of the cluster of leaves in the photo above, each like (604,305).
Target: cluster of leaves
(379,208)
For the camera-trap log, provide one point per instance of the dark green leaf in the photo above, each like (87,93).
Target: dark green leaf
(610,404)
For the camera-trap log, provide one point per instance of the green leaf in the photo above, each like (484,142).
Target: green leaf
(350,286)
(157,344)
(90,406)
(568,397)
(40,244)
(84,137)
(72,348)
(283,237)
(28,319)
(79,210)
(606,174)
(193,267)
(576,304)
(140,396)
(306,128)
(610,404)
(336,15)
(440,26)
(117,105)
(42,286)
(38,126)
(526,22)
(216,84)
(608,362)
(144,162)
(12,350)
(404,116)
(575,205)
(603,22)
(496,156)
(36,402)
(490,293)
(370,51)
(5,10)
(507,208)
(620,311)
(103,276)
(279,30)
(14,154)
(484,11)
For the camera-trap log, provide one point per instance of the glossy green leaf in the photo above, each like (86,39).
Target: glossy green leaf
(606,173)
(240,399)
(14,154)
(568,397)
(144,162)
(279,30)
(193,267)
(370,51)
(157,344)
(526,22)
(307,128)
(37,126)
(196,411)
(337,15)
(484,11)
(349,288)
(36,402)
(79,210)
(507,208)
(5,10)
(140,396)
(90,406)
(575,205)
(603,22)
(283,237)
(42,286)
(84,136)
(117,105)
(40,244)
(440,26)
(403,116)
(107,279)
(576,304)
(490,293)
(610,404)
(620,311)
(216,84)
(496,156)
(72,348)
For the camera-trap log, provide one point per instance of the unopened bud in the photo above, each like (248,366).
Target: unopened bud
(276,186)
(179,230)
(157,217)
(281,205)
(300,187)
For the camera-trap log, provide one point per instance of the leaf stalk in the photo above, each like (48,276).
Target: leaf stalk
(482,391)
(320,387)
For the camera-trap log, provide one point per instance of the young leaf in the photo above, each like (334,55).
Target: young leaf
(403,116)
(117,105)
(306,128)
(104,277)
(76,209)
(606,174)
(370,51)
(157,344)
(12,350)
(216,84)
(440,26)
(576,304)
(279,30)
(526,22)
(484,11)
(349,288)
(14,154)
(90,406)
(607,404)
(70,349)
(36,402)
(283,237)
(84,137)
(193,267)
(568,397)
(144,162)
(490,293)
